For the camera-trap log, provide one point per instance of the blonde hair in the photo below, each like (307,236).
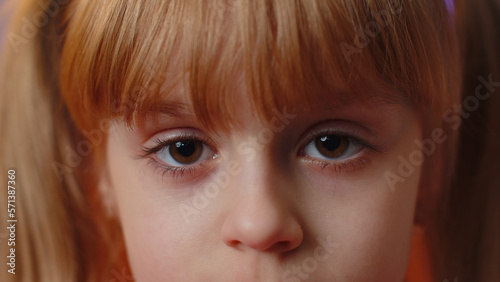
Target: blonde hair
(98,60)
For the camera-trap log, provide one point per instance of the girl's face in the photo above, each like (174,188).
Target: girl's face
(303,196)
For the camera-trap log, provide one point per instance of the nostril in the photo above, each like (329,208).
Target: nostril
(261,224)
(233,243)
(282,247)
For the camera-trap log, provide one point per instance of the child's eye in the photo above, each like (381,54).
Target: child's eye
(332,147)
(338,150)
(179,154)
(184,152)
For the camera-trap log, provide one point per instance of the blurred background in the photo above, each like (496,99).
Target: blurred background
(3,20)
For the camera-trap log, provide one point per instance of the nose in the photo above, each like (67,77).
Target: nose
(261,217)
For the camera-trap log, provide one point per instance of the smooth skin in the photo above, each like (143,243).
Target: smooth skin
(263,203)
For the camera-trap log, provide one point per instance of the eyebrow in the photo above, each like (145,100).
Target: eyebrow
(179,110)
(154,111)
(173,109)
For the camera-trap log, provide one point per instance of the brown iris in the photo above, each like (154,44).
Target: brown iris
(331,146)
(186,151)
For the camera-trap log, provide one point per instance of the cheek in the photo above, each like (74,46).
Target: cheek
(371,222)
(379,237)
(156,245)
(159,242)
(373,229)
(156,236)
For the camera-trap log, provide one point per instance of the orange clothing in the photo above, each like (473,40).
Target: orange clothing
(419,266)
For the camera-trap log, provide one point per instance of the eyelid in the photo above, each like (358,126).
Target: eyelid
(333,128)
(162,144)
(163,140)
(160,141)
(343,129)
(353,145)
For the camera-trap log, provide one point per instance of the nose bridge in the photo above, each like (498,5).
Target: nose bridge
(262,214)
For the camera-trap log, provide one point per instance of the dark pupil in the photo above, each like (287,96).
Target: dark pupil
(330,143)
(185,148)
(186,151)
(332,146)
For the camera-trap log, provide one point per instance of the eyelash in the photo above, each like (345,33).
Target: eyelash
(351,165)
(337,167)
(344,166)
(159,144)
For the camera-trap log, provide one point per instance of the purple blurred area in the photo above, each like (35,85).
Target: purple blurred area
(450,4)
